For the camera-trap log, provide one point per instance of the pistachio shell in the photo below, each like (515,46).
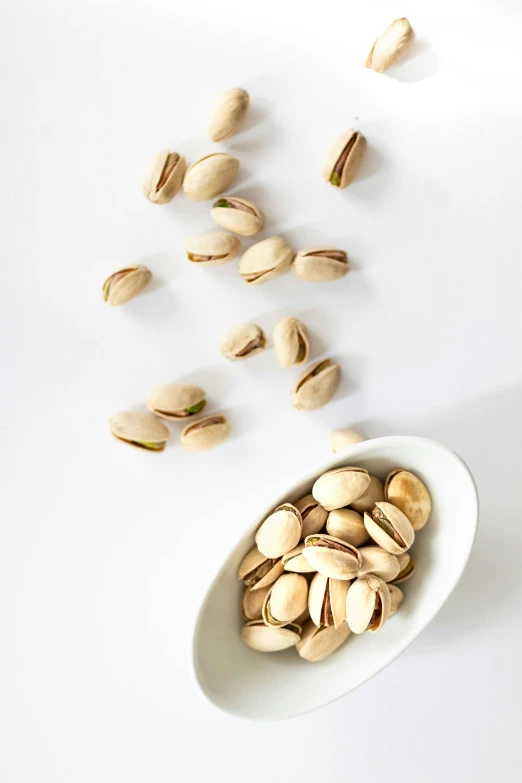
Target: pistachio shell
(286,599)
(406,568)
(280,532)
(295,562)
(303,618)
(367,604)
(327,600)
(212,249)
(340,487)
(227,113)
(374,493)
(344,158)
(316,386)
(320,264)
(408,493)
(205,433)
(210,176)
(264,638)
(316,644)
(342,439)
(291,342)
(125,284)
(237,215)
(252,603)
(390,46)
(389,528)
(314,516)
(242,341)
(258,571)
(331,556)
(379,562)
(164,177)
(347,525)
(396,599)
(175,401)
(265,260)
(139,429)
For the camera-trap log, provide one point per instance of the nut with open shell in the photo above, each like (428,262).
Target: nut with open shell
(390,528)
(367,604)
(268,638)
(340,487)
(332,557)
(258,571)
(407,492)
(327,600)
(280,532)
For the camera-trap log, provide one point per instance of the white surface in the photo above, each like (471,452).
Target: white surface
(105,551)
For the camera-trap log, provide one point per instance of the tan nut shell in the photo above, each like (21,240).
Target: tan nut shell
(125,284)
(340,487)
(408,493)
(243,217)
(396,599)
(170,400)
(397,522)
(374,493)
(361,602)
(163,177)
(242,341)
(317,265)
(258,571)
(390,46)
(280,532)
(347,525)
(205,433)
(353,162)
(252,603)
(227,113)
(327,600)
(265,260)
(295,562)
(212,249)
(406,566)
(314,516)
(264,638)
(331,556)
(316,644)
(135,427)
(342,439)
(286,599)
(210,176)
(316,385)
(379,562)
(291,342)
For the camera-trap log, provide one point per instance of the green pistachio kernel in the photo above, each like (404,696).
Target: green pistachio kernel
(335,179)
(222,202)
(148,445)
(196,408)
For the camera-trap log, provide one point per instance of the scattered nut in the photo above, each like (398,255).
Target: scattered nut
(316,386)
(210,176)
(291,342)
(344,158)
(164,177)
(237,215)
(390,46)
(242,341)
(213,248)
(139,429)
(320,264)
(176,401)
(204,434)
(125,284)
(227,113)
(341,439)
(265,260)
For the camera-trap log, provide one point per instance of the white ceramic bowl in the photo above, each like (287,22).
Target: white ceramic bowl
(272,686)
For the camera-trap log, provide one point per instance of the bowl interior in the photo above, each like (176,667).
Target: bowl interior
(273,686)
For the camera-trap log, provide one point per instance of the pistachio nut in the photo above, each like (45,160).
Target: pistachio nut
(408,493)
(379,562)
(204,434)
(327,600)
(291,342)
(340,487)
(280,532)
(125,284)
(242,341)
(406,568)
(347,525)
(286,599)
(139,429)
(396,599)
(163,177)
(342,439)
(252,603)
(227,113)
(331,556)
(390,46)
(320,264)
(367,604)
(295,562)
(313,515)
(374,493)
(390,528)
(212,249)
(344,158)
(316,644)
(176,401)
(258,571)
(316,386)
(268,638)
(237,215)
(210,176)
(265,260)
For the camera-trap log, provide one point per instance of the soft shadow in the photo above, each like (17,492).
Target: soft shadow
(216,379)
(419,63)
(373,163)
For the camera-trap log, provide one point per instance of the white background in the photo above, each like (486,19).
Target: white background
(106,551)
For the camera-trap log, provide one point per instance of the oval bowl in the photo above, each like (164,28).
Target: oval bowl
(274,686)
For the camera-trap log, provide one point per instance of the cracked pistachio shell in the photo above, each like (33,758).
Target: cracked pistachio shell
(227,113)
(378,562)
(314,516)
(252,603)
(320,264)
(205,433)
(367,604)
(396,599)
(258,571)
(280,532)
(139,429)
(408,493)
(265,260)
(242,341)
(237,215)
(210,176)
(212,249)
(291,342)
(406,568)
(295,562)
(316,386)
(390,528)
(331,556)
(316,644)
(374,493)
(340,487)
(175,401)
(327,600)
(390,46)
(164,177)
(342,439)
(347,525)
(267,638)
(286,599)
(125,284)
(343,159)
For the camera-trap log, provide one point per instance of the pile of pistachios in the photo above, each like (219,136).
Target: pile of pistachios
(330,564)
